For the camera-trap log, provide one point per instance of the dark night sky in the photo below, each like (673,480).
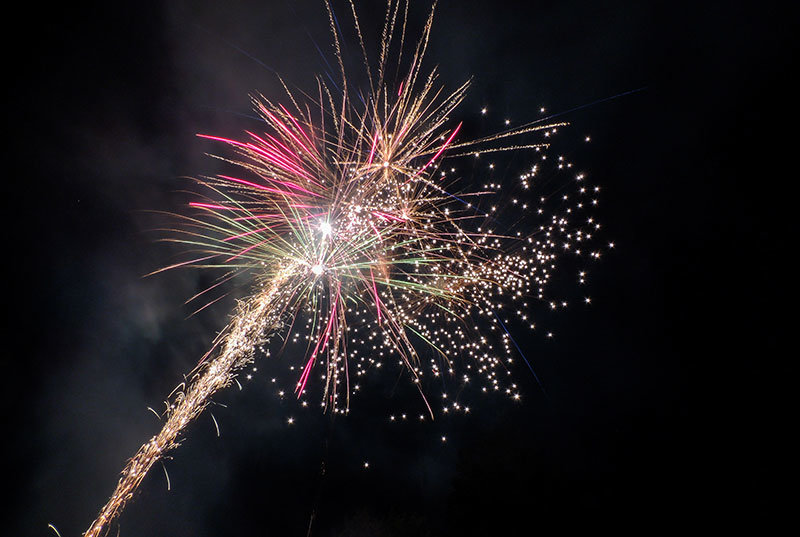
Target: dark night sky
(667,397)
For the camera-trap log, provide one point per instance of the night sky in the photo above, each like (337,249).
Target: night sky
(666,401)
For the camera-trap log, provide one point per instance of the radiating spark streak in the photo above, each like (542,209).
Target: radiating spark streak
(260,217)
(538,381)
(222,281)
(201,308)
(262,187)
(281,160)
(256,245)
(291,134)
(164,466)
(238,49)
(294,122)
(276,151)
(377,233)
(387,216)
(298,187)
(372,150)
(284,154)
(377,298)
(246,183)
(525,129)
(221,139)
(216,425)
(212,206)
(441,150)
(245,234)
(272,156)
(176,265)
(310,363)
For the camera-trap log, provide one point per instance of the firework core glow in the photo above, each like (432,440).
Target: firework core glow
(363,249)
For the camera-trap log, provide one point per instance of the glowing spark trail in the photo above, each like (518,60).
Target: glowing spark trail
(361,243)
(255,317)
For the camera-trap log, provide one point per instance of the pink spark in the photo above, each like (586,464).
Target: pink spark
(295,186)
(289,132)
(372,151)
(441,150)
(388,216)
(307,370)
(267,152)
(377,233)
(295,123)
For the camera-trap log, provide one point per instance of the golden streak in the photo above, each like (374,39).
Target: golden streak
(255,319)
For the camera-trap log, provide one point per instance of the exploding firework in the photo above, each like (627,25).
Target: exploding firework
(362,244)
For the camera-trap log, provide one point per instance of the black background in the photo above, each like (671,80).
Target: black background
(668,398)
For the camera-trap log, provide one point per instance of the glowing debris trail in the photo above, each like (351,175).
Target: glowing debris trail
(255,318)
(363,247)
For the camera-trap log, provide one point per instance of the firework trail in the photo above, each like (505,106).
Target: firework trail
(356,237)
(254,318)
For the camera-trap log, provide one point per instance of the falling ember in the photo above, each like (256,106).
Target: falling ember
(355,236)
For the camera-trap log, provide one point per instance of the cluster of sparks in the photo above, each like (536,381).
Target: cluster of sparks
(364,247)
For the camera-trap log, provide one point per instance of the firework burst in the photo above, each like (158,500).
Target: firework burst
(361,243)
